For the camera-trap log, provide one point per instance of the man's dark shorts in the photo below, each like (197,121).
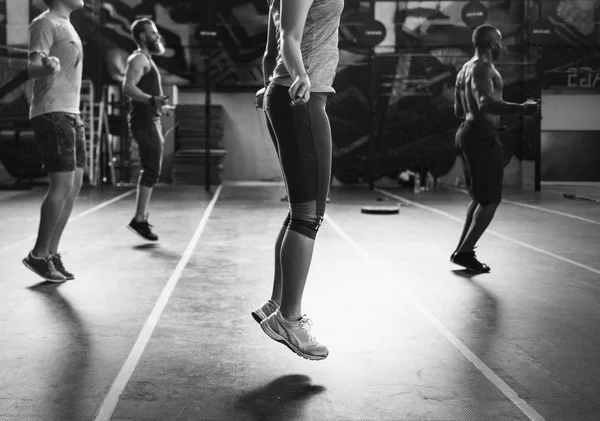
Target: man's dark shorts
(482,157)
(62,138)
(149,138)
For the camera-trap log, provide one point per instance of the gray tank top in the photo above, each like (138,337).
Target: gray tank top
(319,46)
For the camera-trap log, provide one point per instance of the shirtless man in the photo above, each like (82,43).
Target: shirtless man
(478,100)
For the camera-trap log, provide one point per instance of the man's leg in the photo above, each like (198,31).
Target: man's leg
(150,143)
(485,163)
(61,184)
(142,200)
(468,222)
(483,215)
(58,135)
(66,211)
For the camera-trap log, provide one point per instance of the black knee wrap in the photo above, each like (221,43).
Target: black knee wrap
(307,228)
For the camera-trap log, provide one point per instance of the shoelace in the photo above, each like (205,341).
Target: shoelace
(146,220)
(305,325)
(57,261)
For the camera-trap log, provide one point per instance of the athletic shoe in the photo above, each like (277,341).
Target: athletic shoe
(265,311)
(296,335)
(58,264)
(43,267)
(469,261)
(143,229)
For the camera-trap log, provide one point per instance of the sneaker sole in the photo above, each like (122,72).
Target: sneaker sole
(278,338)
(140,235)
(55,281)
(471,269)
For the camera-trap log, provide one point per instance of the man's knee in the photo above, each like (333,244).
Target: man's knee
(61,184)
(149,176)
(490,203)
(77,181)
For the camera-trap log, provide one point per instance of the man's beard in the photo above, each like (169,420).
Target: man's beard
(496,54)
(156,48)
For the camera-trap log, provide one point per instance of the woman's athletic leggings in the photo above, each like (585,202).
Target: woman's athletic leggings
(302,138)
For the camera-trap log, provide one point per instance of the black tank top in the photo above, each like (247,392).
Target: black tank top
(150,84)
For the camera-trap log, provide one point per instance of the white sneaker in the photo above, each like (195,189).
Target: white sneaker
(296,335)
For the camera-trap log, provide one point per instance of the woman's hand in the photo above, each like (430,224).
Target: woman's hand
(300,90)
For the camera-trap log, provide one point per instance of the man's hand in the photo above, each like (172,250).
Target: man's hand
(52,64)
(260,96)
(160,101)
(167,109)
(530,107)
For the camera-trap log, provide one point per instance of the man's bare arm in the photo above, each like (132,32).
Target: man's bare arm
(459,112)
(133,73)
(270,57)
(483,91)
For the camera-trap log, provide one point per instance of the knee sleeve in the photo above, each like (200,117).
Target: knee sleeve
(304,219)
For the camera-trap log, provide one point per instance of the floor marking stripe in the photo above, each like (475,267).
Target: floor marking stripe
(72,219)
(504,237)
(110,402)
(519,402)
(538,208)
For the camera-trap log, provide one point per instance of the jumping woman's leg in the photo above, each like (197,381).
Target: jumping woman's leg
(304,140)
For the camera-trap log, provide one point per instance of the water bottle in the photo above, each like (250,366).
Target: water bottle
(429,184)
(417,188)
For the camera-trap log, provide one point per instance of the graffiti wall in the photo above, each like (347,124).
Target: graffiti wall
(398,100)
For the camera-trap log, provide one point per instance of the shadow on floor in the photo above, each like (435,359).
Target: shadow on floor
(464,273)
(69,377)
(281,399)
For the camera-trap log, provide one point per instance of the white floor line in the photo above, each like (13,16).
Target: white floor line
(254,183)
(73,219)
(519,402)
(571,183)
(539,208)
(110,402)
(504,237)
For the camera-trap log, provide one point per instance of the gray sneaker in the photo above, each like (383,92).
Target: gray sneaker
(297,336)
(43,267)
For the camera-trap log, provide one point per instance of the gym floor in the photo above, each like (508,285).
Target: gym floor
(150,332)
